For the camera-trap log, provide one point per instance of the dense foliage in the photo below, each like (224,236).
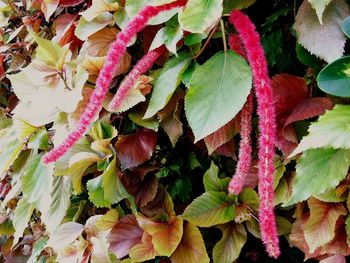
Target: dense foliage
(152,131)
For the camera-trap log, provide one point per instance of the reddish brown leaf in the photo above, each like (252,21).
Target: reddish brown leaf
(144,251)
(288,92)
(191,248)
(297,238)
(170,117)
(308,108)
(66,3)
(124,235)
(339,244)
(320,226)
(165,235)
(143,187)
(334,259)
(137,148)
(227,149)
(221,136)
(65,27)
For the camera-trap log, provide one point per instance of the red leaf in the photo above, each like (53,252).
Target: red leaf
(221,136)
(227,149)
(143,187)
(308,108)
(66,3)
(124,235)
(136,148)
(65,28)
(288,92)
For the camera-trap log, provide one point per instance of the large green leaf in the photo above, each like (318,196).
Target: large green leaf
(167,82)
(200,15)
(114,190)
(218,91)
(317,171)
(37,182)
(21,218)
(227,250)
(334,79)
(209,209)
(330,131)
(62,187)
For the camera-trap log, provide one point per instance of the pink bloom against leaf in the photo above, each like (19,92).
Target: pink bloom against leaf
(267,126)
(105,77)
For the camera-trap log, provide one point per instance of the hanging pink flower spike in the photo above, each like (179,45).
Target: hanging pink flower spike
(267,126)
(115,53)
(245,148)
(144,64)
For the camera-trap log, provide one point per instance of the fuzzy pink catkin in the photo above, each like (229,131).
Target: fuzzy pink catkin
(144,64)
(267,126)
(245,148)
(115,53)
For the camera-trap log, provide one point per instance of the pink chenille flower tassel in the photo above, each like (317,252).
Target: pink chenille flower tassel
(140,68)
(245,147)
(267,126)
(105,77)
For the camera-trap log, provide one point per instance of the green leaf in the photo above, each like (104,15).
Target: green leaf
(200,15)
(229,5)
(47,51)
(212,99)
(21,218)
(319,6)
(37,181)
(97,193)
(168,80)
(212,182)
(228,249)
(40,140)
(62,187)
(334,79)
(209,209)
(114,190)
(9,153)
(78,164)
(38,246)
(317,171)
(169,36)
(331,130)
(6,228)
(346,26)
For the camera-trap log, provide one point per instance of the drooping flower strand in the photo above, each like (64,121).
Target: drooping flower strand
(142,66)
(245,147)
(267,127)
(114,55)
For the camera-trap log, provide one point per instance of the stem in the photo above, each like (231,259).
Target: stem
(223,34)
(206,42)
